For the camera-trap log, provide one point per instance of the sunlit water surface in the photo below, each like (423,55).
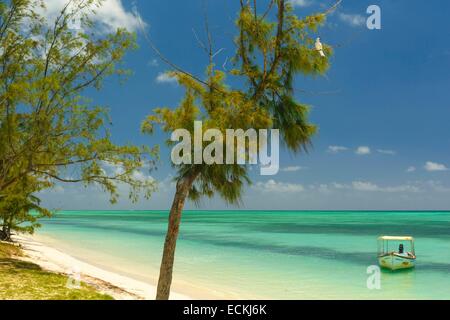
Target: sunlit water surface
(262,254)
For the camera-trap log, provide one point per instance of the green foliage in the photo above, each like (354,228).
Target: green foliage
(47,127)
(20,209)
(269,55)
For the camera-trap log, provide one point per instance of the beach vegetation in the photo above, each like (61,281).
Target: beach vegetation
(22,280)
(21,210)
(50,132)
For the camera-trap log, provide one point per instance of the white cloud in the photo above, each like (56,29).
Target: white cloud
(323,188)
(300,3)
(372,187)
(117,169)
(339,185)
(165,78)
(280,187)
(292,169)
(336,149)
(58,189)
(363,150)
(366,186)
(411,169)
(140,176)
(356,195)
(388,152)
(110,15)
(437,186)
(112,168)
(354,20)
(433,166)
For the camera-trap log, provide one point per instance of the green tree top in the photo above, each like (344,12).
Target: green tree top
(46,124)
(269,54)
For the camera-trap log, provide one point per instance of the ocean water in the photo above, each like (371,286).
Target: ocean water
(263,254)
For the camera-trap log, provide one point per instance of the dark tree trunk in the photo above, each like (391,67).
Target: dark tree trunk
(5,233)
(2,235)
(165,273)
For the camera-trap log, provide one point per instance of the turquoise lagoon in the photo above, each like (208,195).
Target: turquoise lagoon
(262,254)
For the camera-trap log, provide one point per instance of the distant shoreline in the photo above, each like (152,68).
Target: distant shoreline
(118,286)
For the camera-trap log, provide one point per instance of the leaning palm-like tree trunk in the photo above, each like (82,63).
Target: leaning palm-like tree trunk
(165,275)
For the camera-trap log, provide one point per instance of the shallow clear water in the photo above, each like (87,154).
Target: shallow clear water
(257,254)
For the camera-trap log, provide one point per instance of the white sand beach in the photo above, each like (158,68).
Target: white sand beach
(118,286)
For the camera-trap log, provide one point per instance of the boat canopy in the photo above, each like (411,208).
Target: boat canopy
(386,242)
(396,238)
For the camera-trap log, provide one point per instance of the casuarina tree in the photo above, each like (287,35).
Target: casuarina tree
(273,46)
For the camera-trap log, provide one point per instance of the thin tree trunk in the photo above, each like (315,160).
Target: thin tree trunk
(8,233)
(165,273)
(5,233)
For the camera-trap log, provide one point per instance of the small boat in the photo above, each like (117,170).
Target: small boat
(403,258)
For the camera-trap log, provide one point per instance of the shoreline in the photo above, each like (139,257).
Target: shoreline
(116,285)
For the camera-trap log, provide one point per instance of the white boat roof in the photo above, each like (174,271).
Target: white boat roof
(408,238)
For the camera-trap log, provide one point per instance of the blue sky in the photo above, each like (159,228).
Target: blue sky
(387,95)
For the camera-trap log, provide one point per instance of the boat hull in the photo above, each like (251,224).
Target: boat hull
(396,262)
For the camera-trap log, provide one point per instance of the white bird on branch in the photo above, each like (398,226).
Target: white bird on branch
(319,47)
